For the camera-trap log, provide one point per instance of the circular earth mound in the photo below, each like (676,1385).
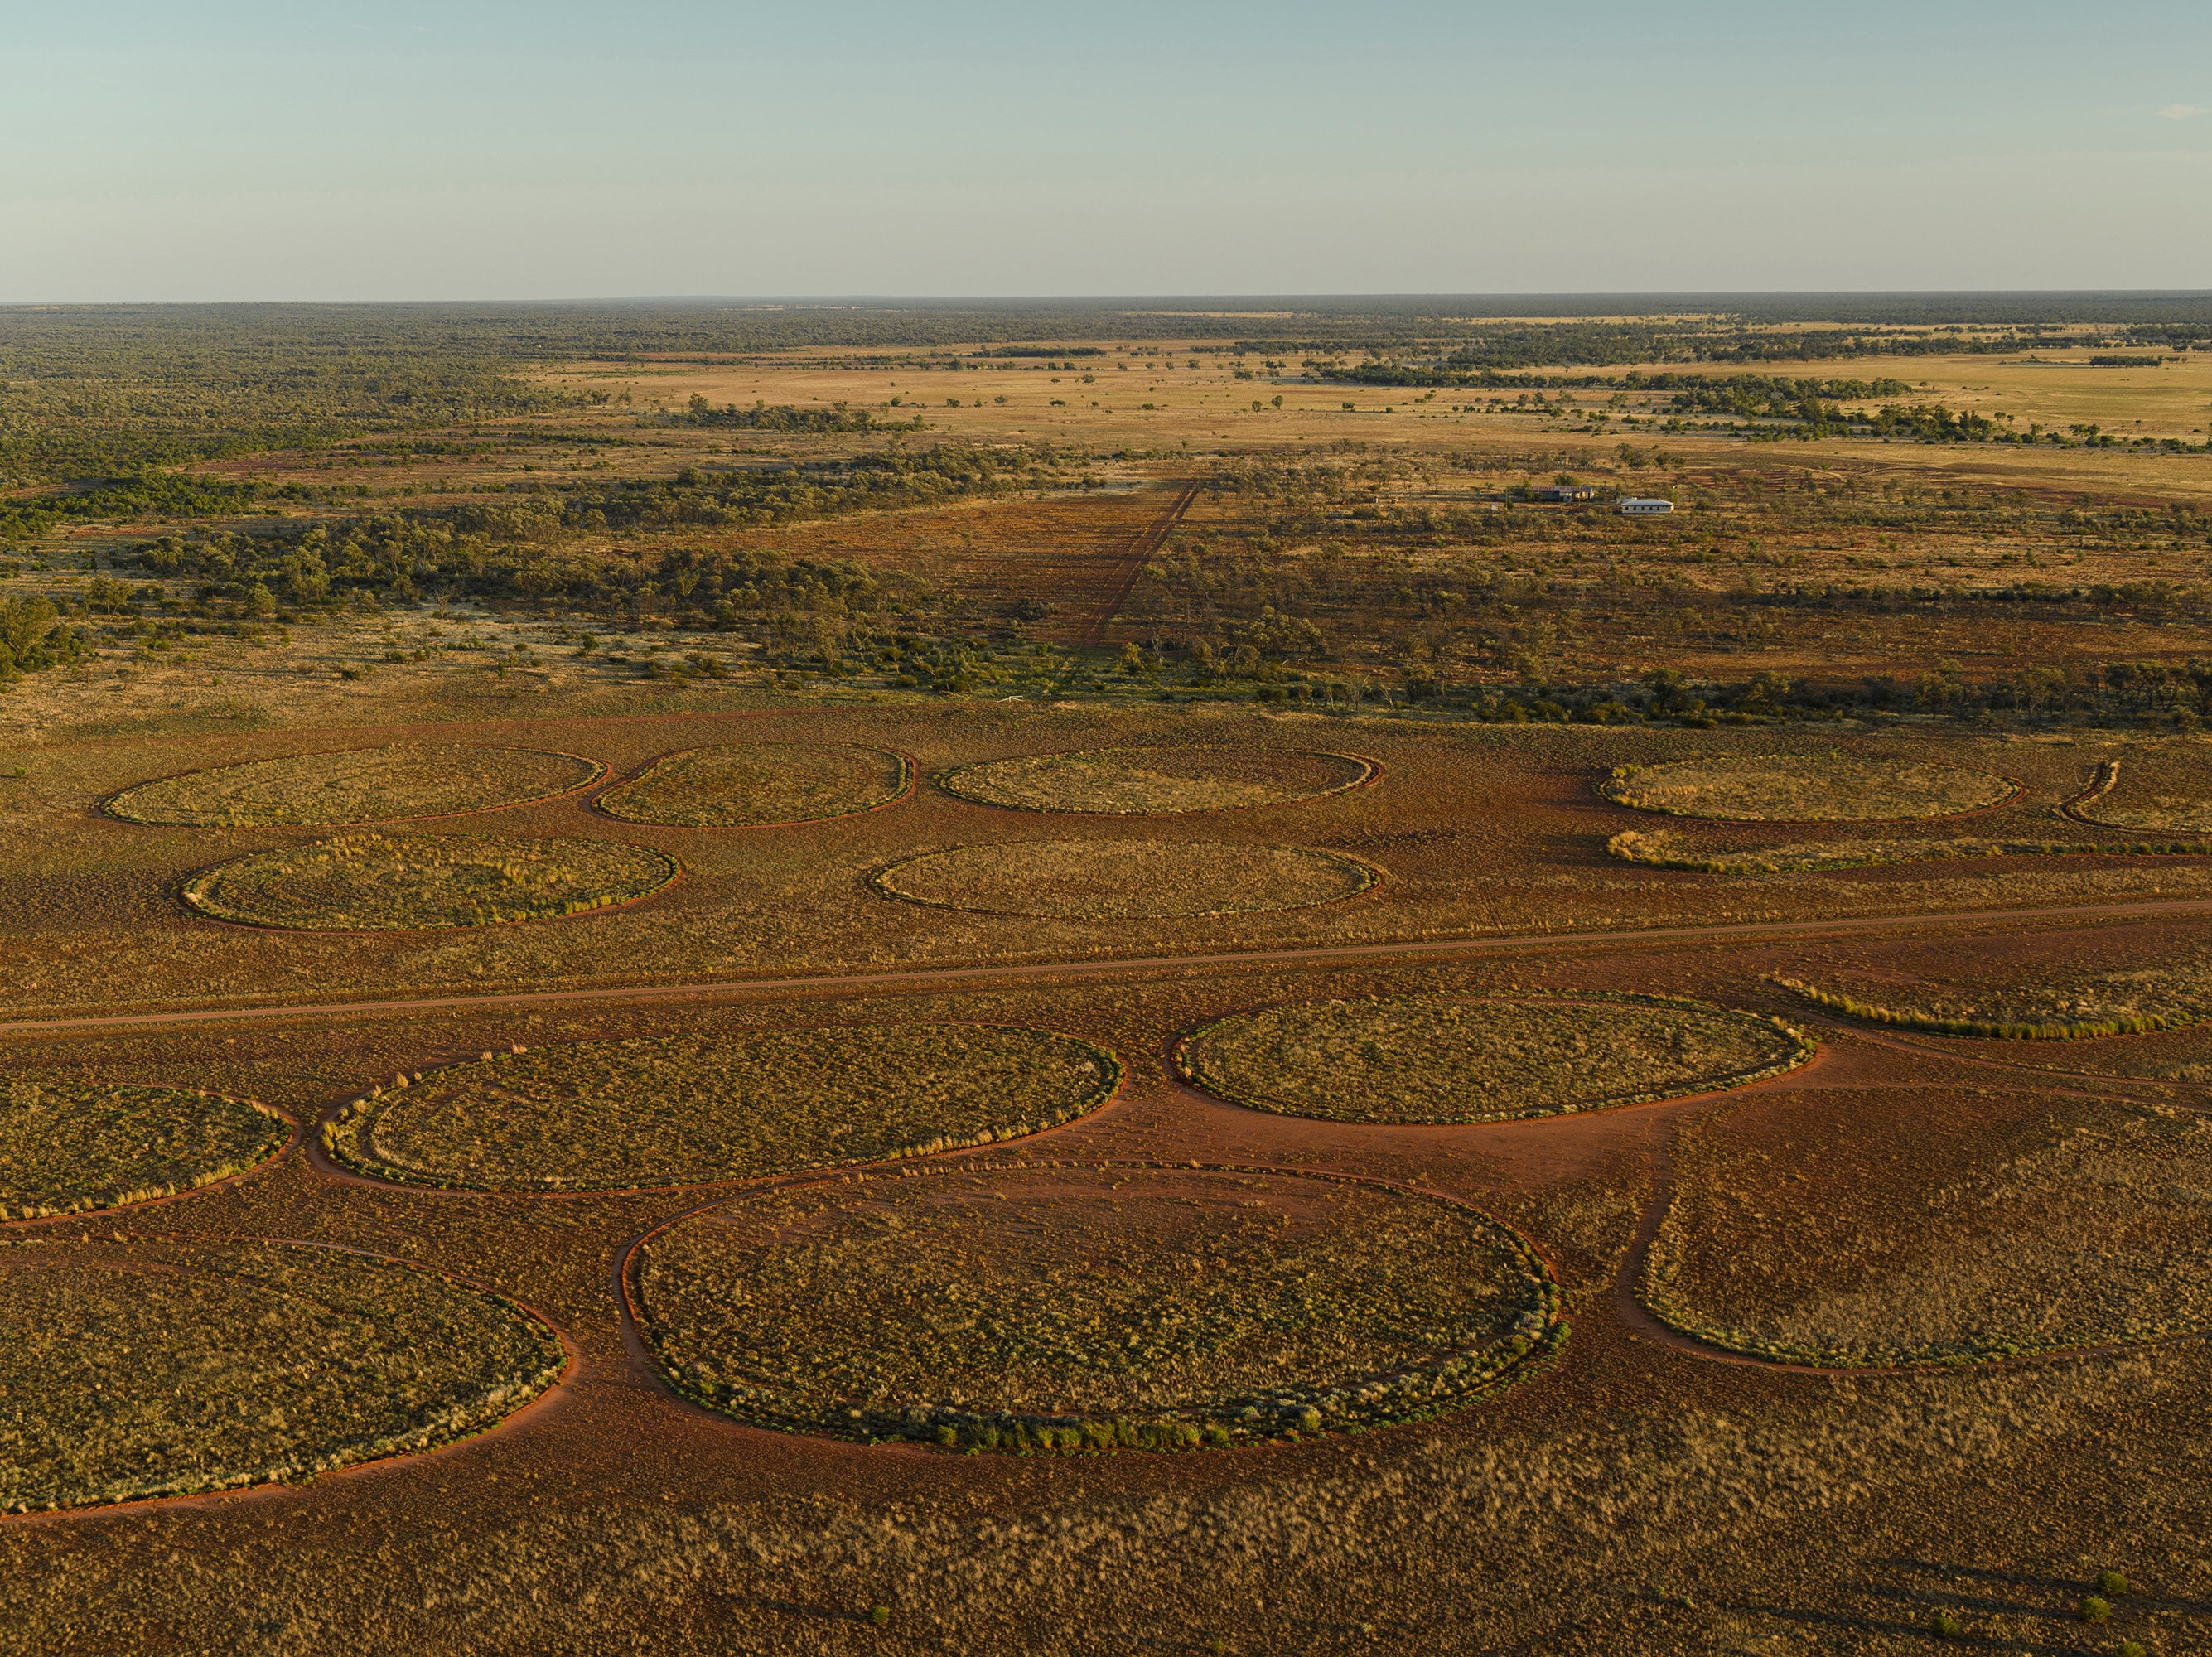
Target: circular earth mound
(2159,790)
(689,1110)
(1019,1307)
(375,882)
(67,1146)
(1437,1059)
(1156,781)
(747,785)
(1126,879)
(1790,788)
(1905,1226)
(159,1369)
(361,784)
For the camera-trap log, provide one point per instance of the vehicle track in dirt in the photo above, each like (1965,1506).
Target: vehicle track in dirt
(1123,579)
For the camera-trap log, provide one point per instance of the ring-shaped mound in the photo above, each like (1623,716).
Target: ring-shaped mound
(67,1146)
(1156,781)
(1806,788)
(752,784)
(1940,1226)
(379,883)
(357,785)
(166,1368)
(2160,791)
(1088,1307)
(1492,1059)
(1126,879)
(690,1109)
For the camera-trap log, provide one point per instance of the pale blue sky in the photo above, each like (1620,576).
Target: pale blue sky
(481,150)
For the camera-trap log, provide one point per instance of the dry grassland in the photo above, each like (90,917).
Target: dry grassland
(159,1369)
(68,1145)
(744,784)
(1666,851)
(381,883)
(2128,1001)
(2164,788)
(1804,788)
(1429,1059)
(1126,879)
(1070,1309)
(740,1105)
(1155,781)
(377,785)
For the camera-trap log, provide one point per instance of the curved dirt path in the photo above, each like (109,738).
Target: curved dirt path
(1494,942)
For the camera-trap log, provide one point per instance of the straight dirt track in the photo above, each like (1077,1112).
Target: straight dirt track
(1488,943)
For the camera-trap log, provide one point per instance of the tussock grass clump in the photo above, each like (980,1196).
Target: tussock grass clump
(1805,788)
(689,1110)
(2160,790)
(1156,781)
(1436,1058)
(162,1368)
(746,785)
(67,1146)
(2126,1003)
(1083,1308)
(1126,879)
(361,784)
(379,883)
(2036,1235)
(1664,851)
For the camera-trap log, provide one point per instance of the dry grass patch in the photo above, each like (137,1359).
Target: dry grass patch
(1943,1228)
(66,1146)
(377,882)
(1156,781)
(2162,790)
(744,784)
(1666,851)
(1436,1058)
(2127,1002)
(361,784)
(157,1369)
(1126,879)
(688,1109)
(1020,1308)
(1805,788)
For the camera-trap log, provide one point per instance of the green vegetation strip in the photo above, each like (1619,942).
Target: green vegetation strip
(1663,851)
(1806,788)
(2092,1234)
(2131,1003)
(377,883)
(366,785)
(1030,1307)
(689,1110)
(1156,781)
(750,785)
(1437,1059)
(1126,879)
(68,1146)
(165,1369)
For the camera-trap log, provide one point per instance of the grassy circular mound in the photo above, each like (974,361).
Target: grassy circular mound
(2160,791)
(1019,1307)
(688,1109)
(1961,1225)
(67,1146)
(1156,781)
(165,1369)
(377,882)
(2157,995)
(1806,788)
(1126,879)
(360,785)
(1440,1058)
(748,785)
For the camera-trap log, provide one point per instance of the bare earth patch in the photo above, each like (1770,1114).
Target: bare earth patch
(1433,1059)
(1793,788)
(1126,879)
(1024,1307)
(1156,781)
(66,1146)
(379,883)
(742,784)
(692,1109)
(361,784)
(160,1369)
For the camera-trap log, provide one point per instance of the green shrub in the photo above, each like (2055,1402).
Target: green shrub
(1944,1626)
(2092,1608)
(2111,1584)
